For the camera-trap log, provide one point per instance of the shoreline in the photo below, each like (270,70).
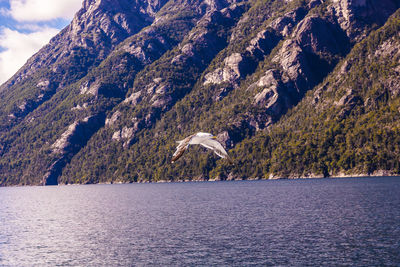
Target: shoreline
(248,179)
(338,176)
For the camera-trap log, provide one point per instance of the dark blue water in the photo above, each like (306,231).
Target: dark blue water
(354,222)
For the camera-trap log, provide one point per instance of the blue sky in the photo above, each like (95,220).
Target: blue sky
(26,26)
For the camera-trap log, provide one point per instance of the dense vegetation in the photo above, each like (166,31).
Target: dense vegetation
(280,151)
(326,138)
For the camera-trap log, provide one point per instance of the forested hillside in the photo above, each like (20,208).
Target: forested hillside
(291,88)
(349,124)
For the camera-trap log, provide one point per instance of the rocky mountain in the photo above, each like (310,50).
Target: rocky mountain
(292,88)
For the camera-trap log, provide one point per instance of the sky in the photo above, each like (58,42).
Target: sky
(28,25)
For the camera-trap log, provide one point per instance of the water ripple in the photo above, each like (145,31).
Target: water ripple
(347,222)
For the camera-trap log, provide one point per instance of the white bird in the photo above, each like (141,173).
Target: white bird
(205,139)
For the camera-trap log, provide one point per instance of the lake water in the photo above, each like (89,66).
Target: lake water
(354,222)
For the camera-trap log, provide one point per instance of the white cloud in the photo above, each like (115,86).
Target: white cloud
(19,47)
(43,10)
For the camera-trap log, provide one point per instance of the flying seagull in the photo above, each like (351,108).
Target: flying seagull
(205,139)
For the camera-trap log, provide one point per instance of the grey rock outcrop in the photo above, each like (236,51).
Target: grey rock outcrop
(353,15)
(76,134)
(89,87)
(269,95)
(124,134)
(285,24)
(230,73)
(71,140)
(133,99)
(114,118)
(148,45)
(238,65)
(305,58)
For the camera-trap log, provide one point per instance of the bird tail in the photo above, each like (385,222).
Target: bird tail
(230,160)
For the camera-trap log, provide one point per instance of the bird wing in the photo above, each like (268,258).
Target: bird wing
(203,140)
(215,146)
(181,148)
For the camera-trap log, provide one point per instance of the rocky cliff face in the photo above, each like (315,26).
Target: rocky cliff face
(97,27)
(93,33)
(352,16)
(107,97)
(349,123)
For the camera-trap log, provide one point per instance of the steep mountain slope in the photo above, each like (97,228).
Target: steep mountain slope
(77,111)
(94,32)
(108,97)
(347,125)
(233,97)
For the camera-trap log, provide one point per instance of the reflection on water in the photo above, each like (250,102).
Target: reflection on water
(284,222)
